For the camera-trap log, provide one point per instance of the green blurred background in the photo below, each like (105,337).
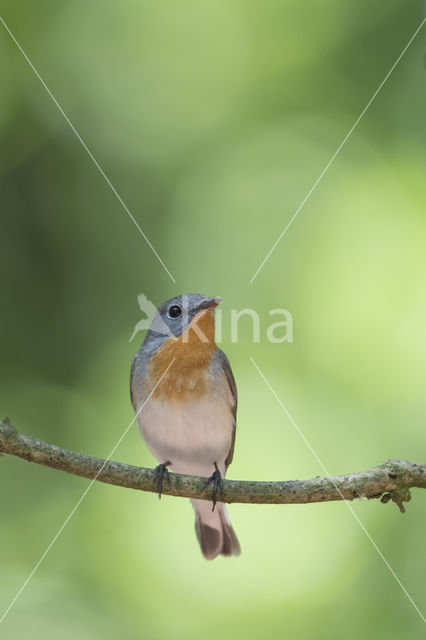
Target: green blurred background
(213,119)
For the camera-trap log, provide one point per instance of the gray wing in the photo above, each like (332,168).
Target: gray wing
(224,362)
(132,373)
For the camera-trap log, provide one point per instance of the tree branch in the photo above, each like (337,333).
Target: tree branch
(391,480)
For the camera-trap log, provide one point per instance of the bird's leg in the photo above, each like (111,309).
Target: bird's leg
(217,482)
(161,472)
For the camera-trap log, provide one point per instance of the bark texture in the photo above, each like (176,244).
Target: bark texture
(391,480)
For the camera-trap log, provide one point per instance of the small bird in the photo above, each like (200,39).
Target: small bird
(185,398)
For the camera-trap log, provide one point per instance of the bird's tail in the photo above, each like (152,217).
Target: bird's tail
(214,530)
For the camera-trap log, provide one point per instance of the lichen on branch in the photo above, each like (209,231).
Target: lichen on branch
(390,481)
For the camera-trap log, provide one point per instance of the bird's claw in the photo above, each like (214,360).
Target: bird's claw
(217,482)
(161,472)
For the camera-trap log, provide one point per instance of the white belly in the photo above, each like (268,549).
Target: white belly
(192,436)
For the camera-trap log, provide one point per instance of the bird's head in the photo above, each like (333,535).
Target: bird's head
(188,316)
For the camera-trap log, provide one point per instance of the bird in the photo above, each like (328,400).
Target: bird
(185,398)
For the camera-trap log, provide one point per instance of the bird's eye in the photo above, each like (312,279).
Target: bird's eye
(174,311)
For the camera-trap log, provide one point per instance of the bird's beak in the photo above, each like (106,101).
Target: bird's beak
(210,304)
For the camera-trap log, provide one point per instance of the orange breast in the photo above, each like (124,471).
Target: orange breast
(191,354)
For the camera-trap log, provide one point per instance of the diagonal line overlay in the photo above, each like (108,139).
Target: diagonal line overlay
(318,459)
(90,154)
(330,162)
(80,500)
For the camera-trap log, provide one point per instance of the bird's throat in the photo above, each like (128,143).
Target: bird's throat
(190,354)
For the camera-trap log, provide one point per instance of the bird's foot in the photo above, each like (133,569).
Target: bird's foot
(161,472)
(217,482)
